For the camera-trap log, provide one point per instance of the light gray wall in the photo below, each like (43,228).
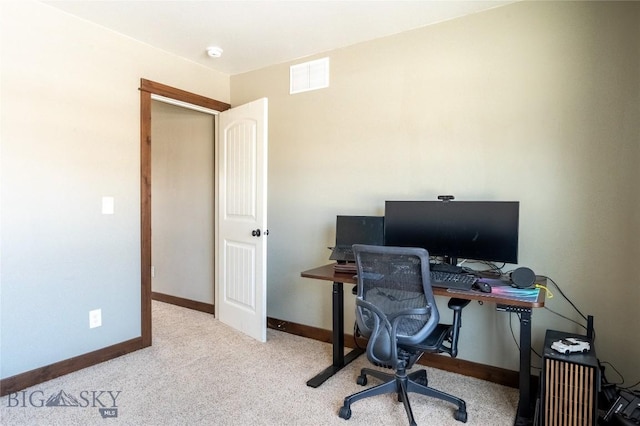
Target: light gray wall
(70,134)
(182,202)
(535,101)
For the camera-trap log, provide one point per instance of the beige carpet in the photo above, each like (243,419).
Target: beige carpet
(201,372)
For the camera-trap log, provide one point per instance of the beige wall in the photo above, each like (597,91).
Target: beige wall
(536,102)
(70,134)
(182,219)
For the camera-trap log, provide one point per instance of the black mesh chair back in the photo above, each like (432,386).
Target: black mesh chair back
(395,281)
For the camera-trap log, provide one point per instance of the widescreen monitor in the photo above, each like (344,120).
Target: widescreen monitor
(478,230)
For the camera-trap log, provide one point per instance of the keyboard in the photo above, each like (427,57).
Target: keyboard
(450,280)
(347,251)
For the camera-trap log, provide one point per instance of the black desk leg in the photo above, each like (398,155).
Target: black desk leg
(339,359)
(525,405)
(337,301)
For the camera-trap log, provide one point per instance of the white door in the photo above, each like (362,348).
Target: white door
(241,267)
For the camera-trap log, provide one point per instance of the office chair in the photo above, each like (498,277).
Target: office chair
(396,310)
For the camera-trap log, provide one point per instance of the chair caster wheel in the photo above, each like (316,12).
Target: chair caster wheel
(460,416)
(361,380)
(345,413)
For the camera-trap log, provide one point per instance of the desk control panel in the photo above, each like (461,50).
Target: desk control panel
(514,309)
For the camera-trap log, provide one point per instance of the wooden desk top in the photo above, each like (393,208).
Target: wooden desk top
(327,273)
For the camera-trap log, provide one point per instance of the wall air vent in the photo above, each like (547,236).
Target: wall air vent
(310,75)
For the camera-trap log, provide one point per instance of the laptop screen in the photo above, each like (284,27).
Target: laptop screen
(359,230)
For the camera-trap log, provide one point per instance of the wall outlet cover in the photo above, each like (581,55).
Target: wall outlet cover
(95,318)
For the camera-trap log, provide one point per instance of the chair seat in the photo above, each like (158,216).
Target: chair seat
(434,342)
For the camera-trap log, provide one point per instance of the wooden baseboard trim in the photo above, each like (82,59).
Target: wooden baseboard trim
(485,372)
(39,375)
(185,303)
(43,374)
(489,373)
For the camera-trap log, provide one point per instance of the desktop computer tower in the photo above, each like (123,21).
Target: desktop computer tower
(569,385)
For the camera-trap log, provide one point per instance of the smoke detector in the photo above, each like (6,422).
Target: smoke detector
(214,51)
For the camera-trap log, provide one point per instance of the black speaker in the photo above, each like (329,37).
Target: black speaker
(523,278)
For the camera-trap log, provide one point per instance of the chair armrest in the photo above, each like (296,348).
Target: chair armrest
(457,304)
(386,327)
(379,320)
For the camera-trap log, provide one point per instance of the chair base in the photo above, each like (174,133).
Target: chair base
(401,383)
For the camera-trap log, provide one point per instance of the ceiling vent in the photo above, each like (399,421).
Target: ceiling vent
(310,75)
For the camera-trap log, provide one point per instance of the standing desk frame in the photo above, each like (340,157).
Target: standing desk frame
(524,414)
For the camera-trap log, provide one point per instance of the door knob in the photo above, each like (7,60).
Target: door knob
(255,232)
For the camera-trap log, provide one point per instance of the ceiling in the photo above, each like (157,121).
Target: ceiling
(256,34)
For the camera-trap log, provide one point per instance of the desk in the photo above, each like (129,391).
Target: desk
(340,360)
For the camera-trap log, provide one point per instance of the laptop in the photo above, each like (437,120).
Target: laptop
(352,230)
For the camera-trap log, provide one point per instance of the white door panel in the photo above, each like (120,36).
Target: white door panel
(242,219)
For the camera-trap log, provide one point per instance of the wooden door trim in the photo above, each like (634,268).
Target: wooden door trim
(147,88)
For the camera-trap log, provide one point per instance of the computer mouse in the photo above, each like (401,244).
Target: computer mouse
(482,286)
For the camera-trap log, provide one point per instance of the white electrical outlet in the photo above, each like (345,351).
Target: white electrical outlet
(95,318)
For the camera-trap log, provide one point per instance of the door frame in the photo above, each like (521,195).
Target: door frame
(148,88)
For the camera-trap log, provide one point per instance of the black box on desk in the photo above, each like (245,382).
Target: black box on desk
(569,384)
